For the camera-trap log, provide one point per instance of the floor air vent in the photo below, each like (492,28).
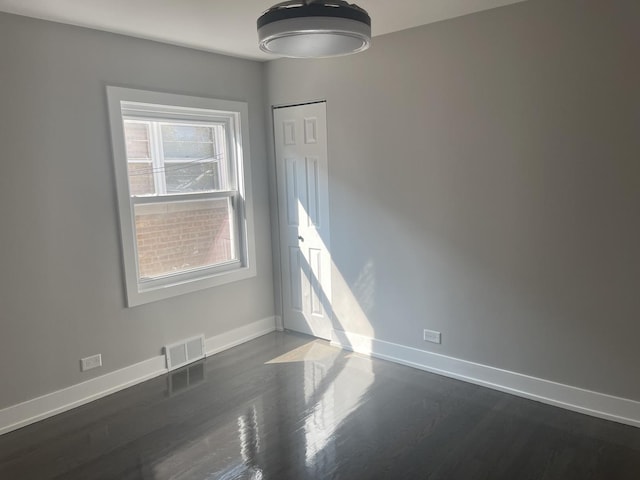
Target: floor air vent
(184,352)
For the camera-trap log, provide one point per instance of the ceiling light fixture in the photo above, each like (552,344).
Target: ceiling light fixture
(314,29)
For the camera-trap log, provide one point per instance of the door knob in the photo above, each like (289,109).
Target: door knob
(300,237)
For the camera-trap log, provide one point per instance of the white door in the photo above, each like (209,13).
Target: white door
(303,207)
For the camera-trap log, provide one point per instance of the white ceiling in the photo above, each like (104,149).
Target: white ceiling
(224,26)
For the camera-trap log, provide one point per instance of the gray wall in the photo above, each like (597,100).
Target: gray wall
(485,182)
(61,291)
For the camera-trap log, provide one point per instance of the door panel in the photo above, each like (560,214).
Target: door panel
(292,191)
(315,260)
(295,280)
(313,216)
(303,207)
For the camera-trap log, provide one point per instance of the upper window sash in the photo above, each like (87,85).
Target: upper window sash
(228,145)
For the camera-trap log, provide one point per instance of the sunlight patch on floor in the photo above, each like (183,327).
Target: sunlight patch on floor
(316,350)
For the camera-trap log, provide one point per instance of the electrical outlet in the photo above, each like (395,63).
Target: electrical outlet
(432,336)
(87,363)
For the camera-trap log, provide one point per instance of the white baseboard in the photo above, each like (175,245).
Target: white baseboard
(596,404)
(279,323)
(239,335)
(39,408)
(31,411)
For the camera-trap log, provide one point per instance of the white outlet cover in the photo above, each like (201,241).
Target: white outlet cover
(432,336)
(91,362)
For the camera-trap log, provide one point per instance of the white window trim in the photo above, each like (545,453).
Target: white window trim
(194,280)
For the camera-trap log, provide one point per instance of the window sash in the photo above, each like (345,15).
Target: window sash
(159,163)
(196,272)
(222,138)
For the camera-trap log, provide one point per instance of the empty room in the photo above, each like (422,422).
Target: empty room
(320,240)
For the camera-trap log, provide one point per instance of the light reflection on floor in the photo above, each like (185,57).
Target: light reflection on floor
(330,393)
(330,397)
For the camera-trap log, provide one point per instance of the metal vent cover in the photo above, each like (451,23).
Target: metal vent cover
(184,352)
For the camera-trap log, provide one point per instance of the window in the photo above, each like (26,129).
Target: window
(182,176)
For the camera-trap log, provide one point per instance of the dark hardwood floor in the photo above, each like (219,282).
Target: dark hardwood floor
(287,406)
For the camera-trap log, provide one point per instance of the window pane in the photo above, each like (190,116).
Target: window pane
(141,178)
(187,133)
(192,177)
(181,236)
(137,138)
(188,142)
(188,151)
